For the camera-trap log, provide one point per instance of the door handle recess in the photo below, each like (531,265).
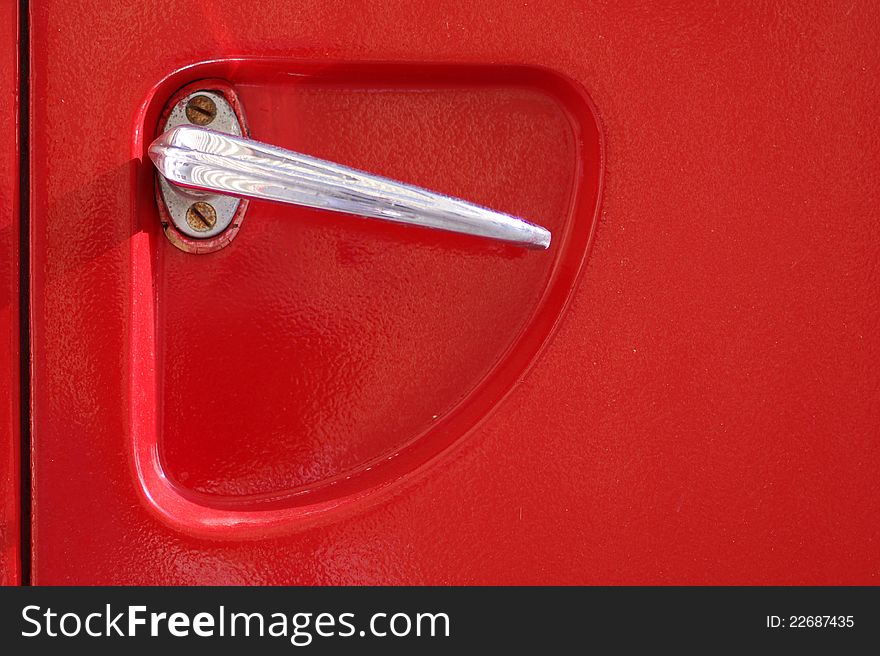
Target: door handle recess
(206,160)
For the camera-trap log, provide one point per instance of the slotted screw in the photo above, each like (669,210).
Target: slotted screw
(201,216)
(201,110)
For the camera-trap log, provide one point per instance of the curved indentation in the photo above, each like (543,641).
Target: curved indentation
(319,360)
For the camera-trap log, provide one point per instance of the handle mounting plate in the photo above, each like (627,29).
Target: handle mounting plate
(200,221)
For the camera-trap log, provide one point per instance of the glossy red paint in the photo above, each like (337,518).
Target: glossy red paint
(10,445)
(702,408)
(370,380)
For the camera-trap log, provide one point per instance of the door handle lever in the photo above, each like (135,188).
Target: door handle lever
(207,160)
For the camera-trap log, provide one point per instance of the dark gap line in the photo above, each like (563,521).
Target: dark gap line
(24,247)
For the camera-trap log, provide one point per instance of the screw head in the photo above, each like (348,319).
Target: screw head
(201,216)
(201,110)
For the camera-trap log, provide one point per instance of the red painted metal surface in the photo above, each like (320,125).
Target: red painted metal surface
(338,373)
(330,400)
(10,516)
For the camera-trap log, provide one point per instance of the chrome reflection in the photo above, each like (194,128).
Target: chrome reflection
(199,158)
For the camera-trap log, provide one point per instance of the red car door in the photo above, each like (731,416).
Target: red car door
(681,389)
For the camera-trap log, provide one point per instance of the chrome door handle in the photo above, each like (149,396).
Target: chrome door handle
(206,160)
